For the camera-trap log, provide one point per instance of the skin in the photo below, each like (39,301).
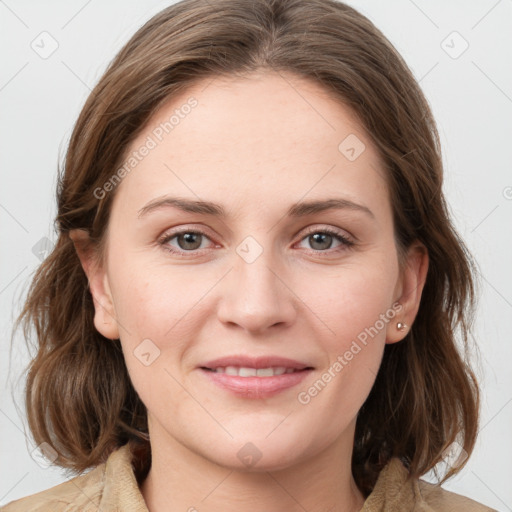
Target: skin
(255,145)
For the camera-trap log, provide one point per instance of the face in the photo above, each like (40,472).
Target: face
(252,325)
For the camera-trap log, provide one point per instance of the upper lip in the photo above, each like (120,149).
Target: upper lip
(255,362)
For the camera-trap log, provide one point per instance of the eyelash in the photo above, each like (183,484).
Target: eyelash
(345,242)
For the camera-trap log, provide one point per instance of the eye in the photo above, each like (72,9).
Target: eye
(321,240)
(185,241)
(191,241)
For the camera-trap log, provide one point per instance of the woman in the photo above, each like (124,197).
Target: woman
(255,293)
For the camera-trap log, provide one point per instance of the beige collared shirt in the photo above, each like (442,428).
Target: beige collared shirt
(112,487)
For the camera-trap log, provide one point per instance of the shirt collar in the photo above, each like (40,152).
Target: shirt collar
(392,491)
(121,490)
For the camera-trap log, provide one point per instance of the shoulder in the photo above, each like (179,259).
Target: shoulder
(79,493)
(438,499)
(111,485)
(396,490)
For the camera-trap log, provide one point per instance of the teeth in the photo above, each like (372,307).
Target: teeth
(264,372)
(253,372)
(247,372)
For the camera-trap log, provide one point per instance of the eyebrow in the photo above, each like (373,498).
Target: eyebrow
(300,209)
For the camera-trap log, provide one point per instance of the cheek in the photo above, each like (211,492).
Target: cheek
(353,309)
(353,341)
(154,319)
(351,301)
(160,310)
(342,303)
(153,300)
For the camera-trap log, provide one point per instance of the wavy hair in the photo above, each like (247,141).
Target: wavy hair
(78,395)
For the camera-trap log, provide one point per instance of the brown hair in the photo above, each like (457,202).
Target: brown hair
(79,397)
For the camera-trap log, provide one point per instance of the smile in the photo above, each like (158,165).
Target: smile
(254,386)
(243,371)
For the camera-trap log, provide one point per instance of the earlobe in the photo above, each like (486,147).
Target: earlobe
(104,313)
(412,281)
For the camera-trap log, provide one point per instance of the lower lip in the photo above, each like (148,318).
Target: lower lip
(256,387)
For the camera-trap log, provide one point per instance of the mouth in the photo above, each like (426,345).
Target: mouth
(247,365)
(260,377)
(244,371)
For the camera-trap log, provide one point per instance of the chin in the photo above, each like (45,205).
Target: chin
(258,453)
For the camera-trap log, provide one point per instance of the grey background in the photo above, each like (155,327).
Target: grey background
(470,93)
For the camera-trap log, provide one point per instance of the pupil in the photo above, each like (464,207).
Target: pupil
(321,238)
(190,240)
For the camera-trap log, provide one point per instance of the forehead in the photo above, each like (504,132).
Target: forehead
(262,137)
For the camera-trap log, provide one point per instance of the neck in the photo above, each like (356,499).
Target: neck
(180,479)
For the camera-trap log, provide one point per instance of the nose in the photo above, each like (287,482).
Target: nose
(255,295)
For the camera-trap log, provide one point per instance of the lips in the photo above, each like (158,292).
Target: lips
(255,377)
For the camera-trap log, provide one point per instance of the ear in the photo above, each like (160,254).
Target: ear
(408,291)
(104,312)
